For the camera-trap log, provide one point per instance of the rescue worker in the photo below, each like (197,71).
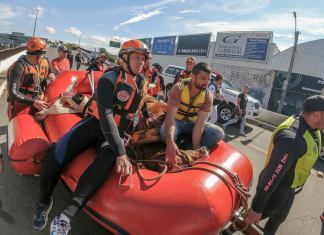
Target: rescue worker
(99,64)
(120,98)
(61,62)
(294,148)
(153,77)
(187,110)
(27,79)
(183,74)
(157,89)
(78,59)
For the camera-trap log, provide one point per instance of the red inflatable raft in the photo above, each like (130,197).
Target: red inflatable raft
(190,202)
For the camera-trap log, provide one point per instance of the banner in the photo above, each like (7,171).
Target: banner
(243,45)
(114,44)
(164,45)
(147,41)
(259,80)
(195,45)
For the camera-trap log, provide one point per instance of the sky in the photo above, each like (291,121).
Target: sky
(102,20)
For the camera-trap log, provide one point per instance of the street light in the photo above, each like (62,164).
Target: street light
(79,41)
(288,75)
(35,21)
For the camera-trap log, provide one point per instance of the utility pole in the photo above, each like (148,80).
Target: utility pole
(35,21)
(79,41)
(288,75)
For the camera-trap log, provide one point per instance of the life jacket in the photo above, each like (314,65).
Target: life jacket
(189,108)
(32,83)
(129,98)
(306,162)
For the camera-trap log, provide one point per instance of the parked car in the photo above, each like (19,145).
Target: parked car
(321,157)
(224,110)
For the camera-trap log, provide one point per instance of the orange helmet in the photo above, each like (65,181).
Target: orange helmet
(36,46)
(132,46)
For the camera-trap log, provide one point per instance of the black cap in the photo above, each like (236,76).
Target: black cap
(314,103)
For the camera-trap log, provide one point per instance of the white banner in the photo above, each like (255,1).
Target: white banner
(243,45)
(260,81)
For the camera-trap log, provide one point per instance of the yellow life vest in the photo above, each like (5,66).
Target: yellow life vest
(189,108)
(305,162)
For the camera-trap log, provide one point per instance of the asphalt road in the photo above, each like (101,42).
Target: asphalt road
(19,193)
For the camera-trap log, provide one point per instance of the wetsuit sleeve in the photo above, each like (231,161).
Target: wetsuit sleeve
(15,77)
(104,98)
(286,151)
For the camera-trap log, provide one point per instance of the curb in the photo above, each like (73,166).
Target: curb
(259,123)
(3,87)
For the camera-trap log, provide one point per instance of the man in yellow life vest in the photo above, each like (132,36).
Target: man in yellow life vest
(294,148)
(188,107)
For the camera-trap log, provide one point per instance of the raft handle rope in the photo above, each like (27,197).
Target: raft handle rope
(237,184)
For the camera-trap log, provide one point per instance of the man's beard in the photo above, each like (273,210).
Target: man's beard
(200,87)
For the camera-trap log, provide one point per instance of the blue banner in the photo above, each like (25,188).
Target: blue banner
(256,49)
(164,45)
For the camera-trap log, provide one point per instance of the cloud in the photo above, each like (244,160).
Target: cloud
(176,17)
(282,22)
(6,12)
(159,4)
(244,7)
(120,39)
(188,11)
(41,11)
(140,17)
(50,30)
(75,31)
(99,40)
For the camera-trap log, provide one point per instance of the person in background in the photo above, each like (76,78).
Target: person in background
(187,110)
(294,149)
(186,73)
(61,62)
(70,58)
(78,59)
(158,88)
(242,101)
(27,79)
(215,88)
(99,64)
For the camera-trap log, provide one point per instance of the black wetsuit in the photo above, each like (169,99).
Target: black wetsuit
(14,83)
(88,132)
(274,195)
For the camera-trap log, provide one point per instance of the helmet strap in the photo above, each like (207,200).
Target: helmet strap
(127,62)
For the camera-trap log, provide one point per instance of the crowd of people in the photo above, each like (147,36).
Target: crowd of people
(295,144)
